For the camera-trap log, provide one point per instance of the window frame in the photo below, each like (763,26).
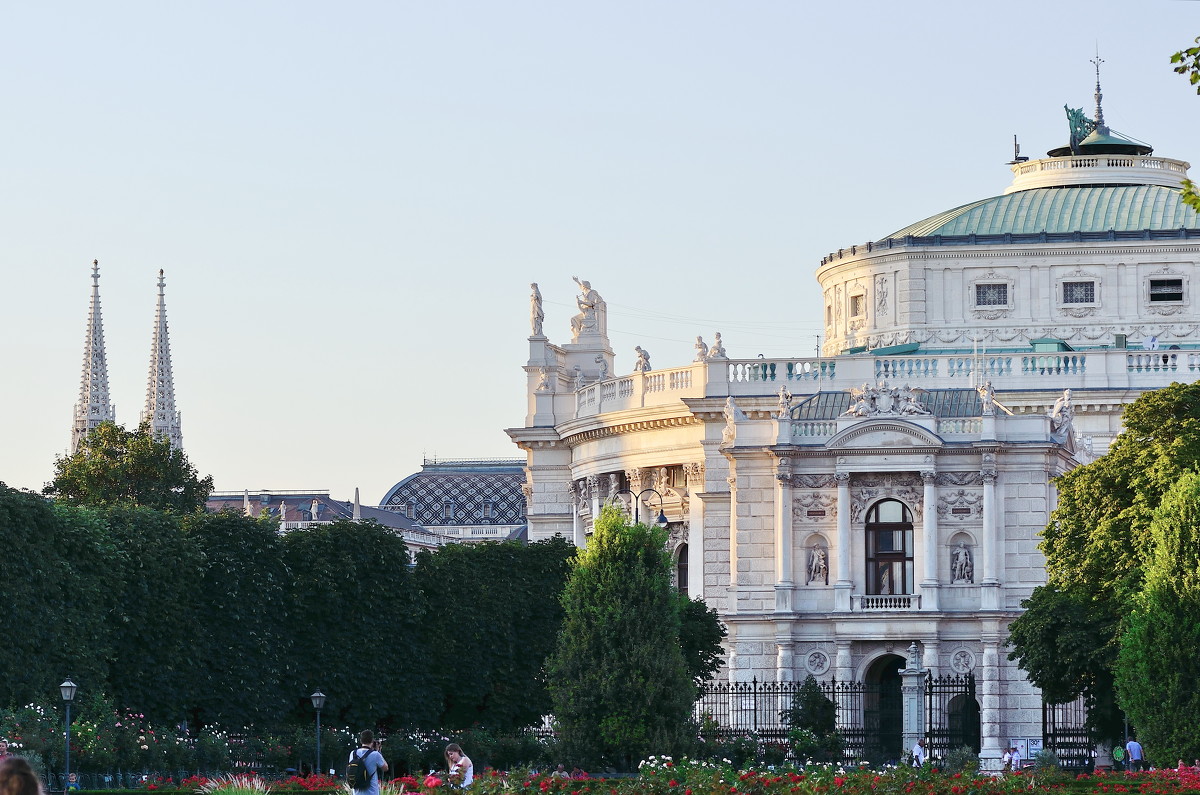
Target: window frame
(875,560)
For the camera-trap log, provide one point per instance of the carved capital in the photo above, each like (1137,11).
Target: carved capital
(842,478)
(783,472)
(928,477)
(989,478)
(694,473)
(634,476)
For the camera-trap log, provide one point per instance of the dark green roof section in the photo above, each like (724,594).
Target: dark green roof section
(1078,208)
(944,403)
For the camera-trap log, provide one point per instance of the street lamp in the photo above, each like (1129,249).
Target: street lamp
(318,702)
(661,521)
(67,689)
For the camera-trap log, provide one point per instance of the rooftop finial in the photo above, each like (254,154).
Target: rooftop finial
(1100,125)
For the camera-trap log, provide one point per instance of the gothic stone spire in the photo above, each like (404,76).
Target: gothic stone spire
(93,407)
(159,410)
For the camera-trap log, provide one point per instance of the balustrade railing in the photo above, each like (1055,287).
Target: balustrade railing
(892,602)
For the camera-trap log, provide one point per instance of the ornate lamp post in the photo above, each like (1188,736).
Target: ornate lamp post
(661,521)
(67,689)
(318,702)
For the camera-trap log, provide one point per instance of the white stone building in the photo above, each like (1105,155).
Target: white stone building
(891,493)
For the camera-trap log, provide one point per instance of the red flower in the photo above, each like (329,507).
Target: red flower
(838,781)
(545,784)
(432,781)
(672,783)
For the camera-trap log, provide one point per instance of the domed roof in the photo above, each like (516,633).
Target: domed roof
(1068,208)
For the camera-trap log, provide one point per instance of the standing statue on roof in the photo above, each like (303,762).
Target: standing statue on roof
(536,314)
(785,402)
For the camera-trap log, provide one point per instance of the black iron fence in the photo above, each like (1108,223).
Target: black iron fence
(1065,732)
(869,715)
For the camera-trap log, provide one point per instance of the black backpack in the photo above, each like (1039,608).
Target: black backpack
(357,775)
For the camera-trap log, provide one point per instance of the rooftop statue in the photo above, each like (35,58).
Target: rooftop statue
(881,399)
(701,349)
(642,364)
(591,311)
(536,315)
(717,351)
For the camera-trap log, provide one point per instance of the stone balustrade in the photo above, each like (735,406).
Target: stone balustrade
(1101,368)
(864,603)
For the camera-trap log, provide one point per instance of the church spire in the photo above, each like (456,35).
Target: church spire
(93,407)
(160,411)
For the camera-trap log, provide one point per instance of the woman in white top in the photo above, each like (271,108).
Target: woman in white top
(459,765)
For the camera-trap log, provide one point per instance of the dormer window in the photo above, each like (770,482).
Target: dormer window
(486,511)
(448,510)
(1166,290)
(991,294)
(1079,292)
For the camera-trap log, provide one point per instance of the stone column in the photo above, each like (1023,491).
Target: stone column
(579,497)
(843,586)
(929,657)
(990,587)
(784,662)
(989,708)
(593,490)
(912,689)
(929,586)
(784,584)
(696,535)
(843,669)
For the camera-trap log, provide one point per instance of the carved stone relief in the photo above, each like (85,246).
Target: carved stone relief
(816,662)
(814,481)
(869,488)
(959,479)
(814,507)
(960,504)
(962,661)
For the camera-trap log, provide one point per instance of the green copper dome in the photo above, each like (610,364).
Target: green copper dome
(1080,208)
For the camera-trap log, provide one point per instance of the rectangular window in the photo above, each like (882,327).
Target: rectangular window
(1079,292)
(991,295)
(858,304)
(1166,290)
(889,560)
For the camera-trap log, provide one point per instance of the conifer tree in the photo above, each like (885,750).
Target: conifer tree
(1157,665)
(618,678)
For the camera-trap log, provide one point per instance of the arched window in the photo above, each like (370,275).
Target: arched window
(889,548)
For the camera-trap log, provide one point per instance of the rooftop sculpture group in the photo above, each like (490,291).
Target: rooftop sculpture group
(881,399)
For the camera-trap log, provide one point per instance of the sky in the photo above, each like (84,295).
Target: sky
(350,199)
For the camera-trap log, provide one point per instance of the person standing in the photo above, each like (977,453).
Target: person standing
(918,753)
(461,771)
(1137,758)
(368,751)
(1015,755)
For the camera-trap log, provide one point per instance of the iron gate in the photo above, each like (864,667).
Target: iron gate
(951,714)
(1065,732)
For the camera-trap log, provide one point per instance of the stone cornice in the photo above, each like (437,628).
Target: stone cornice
(623,428)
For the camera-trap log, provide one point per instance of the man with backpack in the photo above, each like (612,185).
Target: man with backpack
(366,763)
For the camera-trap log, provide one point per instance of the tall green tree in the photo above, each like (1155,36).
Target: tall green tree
(155,581)
(242,647)
(493,613)
(56,602)
(114,465)
(354,616)
(1158,665)
(1096,547)
(618,677)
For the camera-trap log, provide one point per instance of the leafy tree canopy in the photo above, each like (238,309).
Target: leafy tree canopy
(1157,667)
(1096,548)
(114,465)
(700,636)
(1187,62)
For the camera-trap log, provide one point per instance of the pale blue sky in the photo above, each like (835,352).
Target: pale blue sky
(350,199)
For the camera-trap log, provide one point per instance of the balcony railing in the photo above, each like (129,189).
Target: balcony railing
(865,603)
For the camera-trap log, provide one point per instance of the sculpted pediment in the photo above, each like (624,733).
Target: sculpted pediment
(889,434)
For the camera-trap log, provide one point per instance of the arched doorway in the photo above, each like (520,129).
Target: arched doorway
(962,721)
(883,710)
